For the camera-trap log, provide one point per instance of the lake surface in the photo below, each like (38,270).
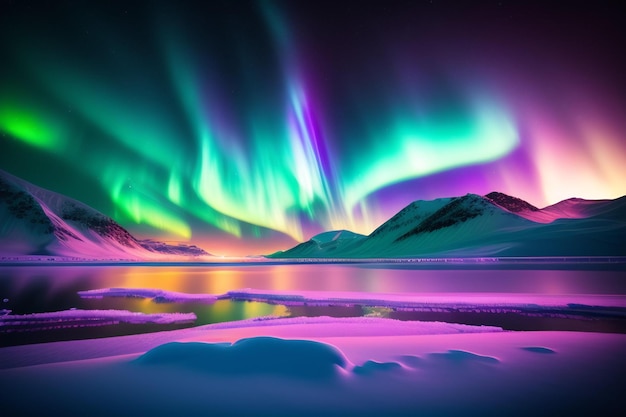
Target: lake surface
(36,289)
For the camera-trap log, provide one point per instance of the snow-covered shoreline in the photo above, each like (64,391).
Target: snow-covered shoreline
(373,367)
(301,327)
(456,261)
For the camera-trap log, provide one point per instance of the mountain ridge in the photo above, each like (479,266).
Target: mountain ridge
(40,222)
(494,224)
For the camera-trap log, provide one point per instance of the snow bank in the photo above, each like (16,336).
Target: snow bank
(338,326)
(302,359)
(312,328)
(501,373)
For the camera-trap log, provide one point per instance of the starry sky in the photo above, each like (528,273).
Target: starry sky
(247,126)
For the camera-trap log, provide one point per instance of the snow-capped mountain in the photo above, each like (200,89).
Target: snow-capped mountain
(324,244)
(35,221)
(491,225)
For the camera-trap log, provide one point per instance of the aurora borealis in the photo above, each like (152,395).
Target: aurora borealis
(245,125)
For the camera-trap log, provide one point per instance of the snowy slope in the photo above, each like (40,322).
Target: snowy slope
(328,238)
(495,224)
(573,208)
(34,221)
(409,217)
(464,224)
(326,243)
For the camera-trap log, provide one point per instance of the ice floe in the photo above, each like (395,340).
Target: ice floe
(80,318)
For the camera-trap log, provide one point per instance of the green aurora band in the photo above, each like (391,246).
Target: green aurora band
(233,133)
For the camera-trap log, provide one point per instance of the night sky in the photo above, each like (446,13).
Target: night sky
(245,126)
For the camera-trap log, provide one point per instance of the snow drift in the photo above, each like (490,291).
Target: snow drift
(253,356)
(237,374)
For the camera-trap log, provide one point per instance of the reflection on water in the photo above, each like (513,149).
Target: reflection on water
(217,279)
(41,288)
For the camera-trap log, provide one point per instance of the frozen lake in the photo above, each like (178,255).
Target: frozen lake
(451,335)
(42,288)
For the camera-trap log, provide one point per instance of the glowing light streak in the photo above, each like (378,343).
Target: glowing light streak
(194,133)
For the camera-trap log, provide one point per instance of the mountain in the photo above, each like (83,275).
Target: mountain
(38,222)
(324,244)
(492,225)
(512,204)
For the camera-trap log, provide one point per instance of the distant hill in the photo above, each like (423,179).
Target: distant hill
(38,222)
(493,225)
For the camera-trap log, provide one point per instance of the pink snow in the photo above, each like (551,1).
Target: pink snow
(157,295)
(573,208)
(421,299)
(400,300)
(77,314)
(320,366)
